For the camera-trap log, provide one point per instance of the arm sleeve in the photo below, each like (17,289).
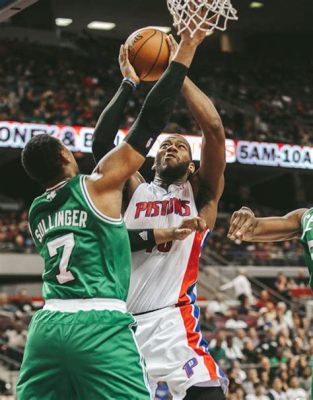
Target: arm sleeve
(141,239)
(157,109)
(109,122)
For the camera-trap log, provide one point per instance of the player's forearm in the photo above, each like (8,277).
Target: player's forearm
(141,239)
(185,52)
(109,122)
(203,110)
(273,229)
(164,235)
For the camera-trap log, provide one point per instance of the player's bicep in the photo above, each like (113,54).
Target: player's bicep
(117,167)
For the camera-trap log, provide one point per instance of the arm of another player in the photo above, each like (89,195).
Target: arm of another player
(110,119)
(208,181)
(148,238)
(245,226)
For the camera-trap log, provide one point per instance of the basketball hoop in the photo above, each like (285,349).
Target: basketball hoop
(205,15)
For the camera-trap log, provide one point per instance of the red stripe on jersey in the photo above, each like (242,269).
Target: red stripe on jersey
(192,269)
(194,338)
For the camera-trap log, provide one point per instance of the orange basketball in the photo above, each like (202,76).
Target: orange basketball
(148,53)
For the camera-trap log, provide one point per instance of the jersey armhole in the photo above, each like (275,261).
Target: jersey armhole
(93,208)
(302,218)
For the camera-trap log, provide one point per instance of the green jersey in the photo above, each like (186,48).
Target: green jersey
(86,254)
(307,240)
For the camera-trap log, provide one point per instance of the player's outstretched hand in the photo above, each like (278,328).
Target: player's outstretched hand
(242,224)
(195,24)
(126,68)
(188,226)
(173,45)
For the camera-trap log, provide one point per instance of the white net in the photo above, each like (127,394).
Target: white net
(206,15)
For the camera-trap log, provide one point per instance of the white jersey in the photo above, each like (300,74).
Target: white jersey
(165,275)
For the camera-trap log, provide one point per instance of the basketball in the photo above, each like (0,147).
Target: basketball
(148,53)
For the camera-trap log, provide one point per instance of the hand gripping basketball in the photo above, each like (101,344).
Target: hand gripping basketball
(148,53)
(127,69)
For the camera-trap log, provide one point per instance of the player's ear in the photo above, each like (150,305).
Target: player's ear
(65,156)
(191,168)
(153,167)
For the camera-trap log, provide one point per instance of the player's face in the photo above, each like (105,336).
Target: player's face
(173,158)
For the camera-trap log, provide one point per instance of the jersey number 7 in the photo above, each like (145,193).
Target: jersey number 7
(68,242)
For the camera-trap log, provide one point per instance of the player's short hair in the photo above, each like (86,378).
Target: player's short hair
(41,158)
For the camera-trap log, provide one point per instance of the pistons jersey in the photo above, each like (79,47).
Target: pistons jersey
(164,275)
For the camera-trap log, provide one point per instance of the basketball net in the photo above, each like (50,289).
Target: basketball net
(205,15)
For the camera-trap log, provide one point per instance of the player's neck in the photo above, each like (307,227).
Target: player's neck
(58,181)
(165,183)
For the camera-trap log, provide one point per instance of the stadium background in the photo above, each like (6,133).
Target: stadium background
(260,76)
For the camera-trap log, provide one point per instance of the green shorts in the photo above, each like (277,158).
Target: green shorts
(88,355)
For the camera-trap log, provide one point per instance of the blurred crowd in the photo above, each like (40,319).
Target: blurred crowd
(258,99)
(264,346)
(14,233)
(15,315)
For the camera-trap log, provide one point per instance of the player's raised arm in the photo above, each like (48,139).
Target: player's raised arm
(244,225)
(208,182)
(110,119)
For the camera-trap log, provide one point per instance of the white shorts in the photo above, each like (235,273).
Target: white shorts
(175,351)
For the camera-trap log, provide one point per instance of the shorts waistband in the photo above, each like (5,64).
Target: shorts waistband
(153,311)
(75,305)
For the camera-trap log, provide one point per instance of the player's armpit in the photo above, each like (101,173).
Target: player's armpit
(132,184)
(245,226)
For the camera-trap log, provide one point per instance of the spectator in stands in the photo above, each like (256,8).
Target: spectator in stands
(218,305)
(253,335)
(234,322)
(240,284)
(16,335)
(249,352)
(259,393)
(263,300)
(251,380)
(239,338)
(295,392)
(302,279)
(232,351)
(281,286)
(305,379)
(276,391)
(208,322)
(216,348)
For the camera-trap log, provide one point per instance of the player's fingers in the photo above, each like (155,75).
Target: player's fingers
(182,233)
(234,215)
(190,223)
(172,42)
(233,222)
(121,53)
(199,224)
(237,223)
(126,52)
(248,225)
